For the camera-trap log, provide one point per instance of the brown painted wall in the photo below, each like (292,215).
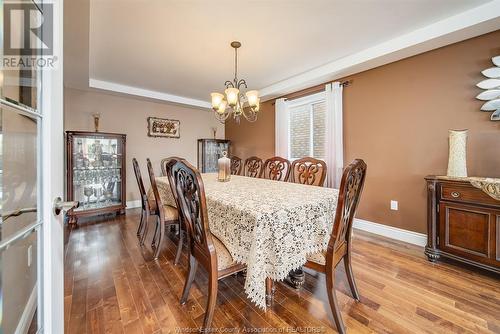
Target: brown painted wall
(396,118)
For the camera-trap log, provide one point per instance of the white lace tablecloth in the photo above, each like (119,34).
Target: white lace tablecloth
(268,225)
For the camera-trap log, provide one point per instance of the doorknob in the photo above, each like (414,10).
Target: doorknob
(59,205)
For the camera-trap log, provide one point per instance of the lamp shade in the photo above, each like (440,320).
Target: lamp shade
(222,107)
(232,96)
(216,100)
(257,106)
(252,97)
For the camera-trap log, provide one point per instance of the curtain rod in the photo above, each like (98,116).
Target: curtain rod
(319,88)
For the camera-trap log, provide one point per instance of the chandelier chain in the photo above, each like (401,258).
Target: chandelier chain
(235,65)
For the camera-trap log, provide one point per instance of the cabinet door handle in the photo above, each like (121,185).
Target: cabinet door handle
(455,194)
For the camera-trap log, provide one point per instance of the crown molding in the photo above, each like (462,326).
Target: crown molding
(119,88)
(468,24)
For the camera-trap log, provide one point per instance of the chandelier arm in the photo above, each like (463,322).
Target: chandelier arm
(242,82)
(250,115)
(229,84)
(223,117)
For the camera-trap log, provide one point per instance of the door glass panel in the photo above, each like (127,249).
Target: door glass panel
(20,239)
(18,170)
(19,82)
(18,284)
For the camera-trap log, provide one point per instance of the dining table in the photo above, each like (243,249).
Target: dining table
(270,226)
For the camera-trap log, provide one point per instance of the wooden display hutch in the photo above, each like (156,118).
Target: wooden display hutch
(95,173)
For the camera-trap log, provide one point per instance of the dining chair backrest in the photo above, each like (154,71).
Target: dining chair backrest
(309,171)
(154,188)
(350,190)
(163,164)
(190,190)
(140,183)
(253,166)
(235,165)
(276,168)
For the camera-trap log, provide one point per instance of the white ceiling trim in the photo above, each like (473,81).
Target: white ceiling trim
(119,88)
(471,23)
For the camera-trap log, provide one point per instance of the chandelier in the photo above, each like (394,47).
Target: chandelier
(233,101)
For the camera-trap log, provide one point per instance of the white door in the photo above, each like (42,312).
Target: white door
(31,171)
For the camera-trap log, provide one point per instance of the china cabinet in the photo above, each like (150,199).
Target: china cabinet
(209,152)
(95,173)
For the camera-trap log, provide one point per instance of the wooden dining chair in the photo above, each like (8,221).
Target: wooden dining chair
(309,171)
(164,162)
(235,165)
(276,168)
(148,206)
(340,244)
(204,248)
(167,215)
(253,166)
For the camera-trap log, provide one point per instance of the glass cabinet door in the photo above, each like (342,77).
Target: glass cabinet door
(210,156)
(212,153)
(209,152)
(96,171)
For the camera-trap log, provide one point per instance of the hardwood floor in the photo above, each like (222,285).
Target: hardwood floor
(114,286)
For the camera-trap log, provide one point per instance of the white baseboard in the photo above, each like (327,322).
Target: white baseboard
(28,313)
(411,237)
(134,204)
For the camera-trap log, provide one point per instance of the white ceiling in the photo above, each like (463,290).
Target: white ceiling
(182,47)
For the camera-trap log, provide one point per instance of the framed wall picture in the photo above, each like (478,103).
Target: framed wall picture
(161,127)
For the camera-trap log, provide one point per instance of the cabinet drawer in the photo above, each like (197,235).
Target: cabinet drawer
(466,194)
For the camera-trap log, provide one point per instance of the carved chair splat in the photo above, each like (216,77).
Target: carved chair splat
(276,168)
(253,166)
(308,171)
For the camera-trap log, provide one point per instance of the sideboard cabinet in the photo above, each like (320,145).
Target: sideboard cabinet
(463,223)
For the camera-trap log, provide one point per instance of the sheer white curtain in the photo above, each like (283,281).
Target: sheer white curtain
(281,128)
(334,134)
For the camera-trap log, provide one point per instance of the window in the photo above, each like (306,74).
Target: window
(307,117)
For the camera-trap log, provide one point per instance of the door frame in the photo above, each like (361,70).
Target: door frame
(51,107)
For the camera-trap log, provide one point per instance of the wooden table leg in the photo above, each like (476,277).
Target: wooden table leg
(269,291)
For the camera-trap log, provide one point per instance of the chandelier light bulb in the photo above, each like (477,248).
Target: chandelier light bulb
(232,96)
(257,105)
(252,97)
(216,100)
(222,106)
